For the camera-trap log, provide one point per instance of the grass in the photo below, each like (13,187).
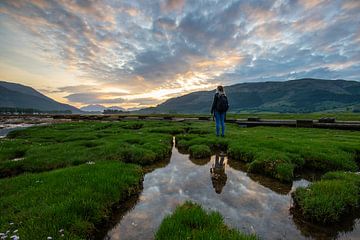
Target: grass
(63,179)
(47,186)
(331,198)
(190,221)
(57,146)
(339,116)
(74,199)
(280,152)
(199,151)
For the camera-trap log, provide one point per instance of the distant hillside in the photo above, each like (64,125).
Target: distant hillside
(93,108)
(303,95)
(100,108)
(13,95)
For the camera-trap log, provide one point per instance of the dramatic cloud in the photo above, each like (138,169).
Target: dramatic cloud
(139,53)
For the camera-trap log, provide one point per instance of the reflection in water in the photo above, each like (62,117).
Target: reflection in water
(245,202)
(201,161)
(6,129)
(217,171)
(276,186)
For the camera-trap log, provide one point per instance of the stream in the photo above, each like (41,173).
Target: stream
(5,129)
(248,202)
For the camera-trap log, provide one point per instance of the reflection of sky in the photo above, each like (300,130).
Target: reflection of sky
(244,203)
(138,53)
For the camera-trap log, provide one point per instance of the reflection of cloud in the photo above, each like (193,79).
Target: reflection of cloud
(143,50)
(170,5)
(308,4)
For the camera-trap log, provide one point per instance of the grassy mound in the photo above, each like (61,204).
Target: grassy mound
(327,200)
(279,152)
(199,151)
(190,221)
(45,148)
(69,201)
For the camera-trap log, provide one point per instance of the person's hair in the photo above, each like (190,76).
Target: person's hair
(220,90)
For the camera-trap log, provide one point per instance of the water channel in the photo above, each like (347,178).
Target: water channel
(248,202)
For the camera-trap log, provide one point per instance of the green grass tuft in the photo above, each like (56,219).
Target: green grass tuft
(200,151)
(329,199)
(190,221)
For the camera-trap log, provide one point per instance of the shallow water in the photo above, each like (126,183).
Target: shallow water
(250,203)
(5,129)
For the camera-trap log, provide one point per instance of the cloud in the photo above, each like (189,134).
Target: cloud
(172,5)
(85,98)
(94,97)
(137,53)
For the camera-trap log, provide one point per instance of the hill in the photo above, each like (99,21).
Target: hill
(13,95)
(93,108)
(295,96)
(97,108)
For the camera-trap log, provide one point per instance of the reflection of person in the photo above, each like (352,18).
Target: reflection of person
(218,175)
(219,108)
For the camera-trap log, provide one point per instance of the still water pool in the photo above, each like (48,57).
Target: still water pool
(248,202)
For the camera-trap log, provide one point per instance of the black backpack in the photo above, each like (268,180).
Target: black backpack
(222,104)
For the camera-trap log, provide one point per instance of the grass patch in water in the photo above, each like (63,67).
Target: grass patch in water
(279,152)
(199,151)
(190,221)
(75,199)
(329,199)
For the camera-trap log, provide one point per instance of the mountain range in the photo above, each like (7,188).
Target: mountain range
(13,95)
(302,95)
(99,108)
(294,96)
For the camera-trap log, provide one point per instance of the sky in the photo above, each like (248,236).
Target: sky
(135,54)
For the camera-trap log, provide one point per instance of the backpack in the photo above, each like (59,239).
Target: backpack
(222,104)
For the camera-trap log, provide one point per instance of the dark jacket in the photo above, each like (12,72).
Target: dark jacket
(214,104)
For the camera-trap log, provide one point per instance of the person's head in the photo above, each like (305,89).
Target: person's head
(220,89)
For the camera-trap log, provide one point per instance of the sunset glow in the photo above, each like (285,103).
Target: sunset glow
(136,54)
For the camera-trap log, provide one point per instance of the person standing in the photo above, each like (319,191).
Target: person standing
(219,108)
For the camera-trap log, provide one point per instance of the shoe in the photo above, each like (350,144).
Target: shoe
(222,135)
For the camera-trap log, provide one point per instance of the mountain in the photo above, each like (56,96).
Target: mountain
(99,108)
(13,95)
(302,95)
(93,108)
(116,108)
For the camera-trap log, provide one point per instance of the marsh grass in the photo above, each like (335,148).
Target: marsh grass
(339,116)
(75,199)
(53,196)
(280,152)
(275,152)
(190,221)
(62,145)
(199,151)
(329,199)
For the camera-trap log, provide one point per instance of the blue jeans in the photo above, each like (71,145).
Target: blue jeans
(220,121)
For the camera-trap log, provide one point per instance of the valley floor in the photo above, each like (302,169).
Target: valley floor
(62,180)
